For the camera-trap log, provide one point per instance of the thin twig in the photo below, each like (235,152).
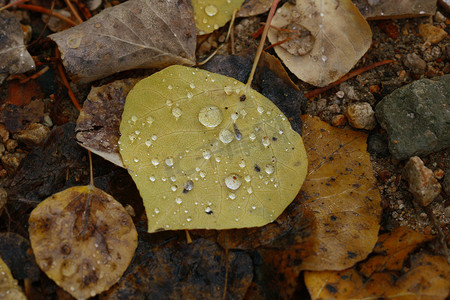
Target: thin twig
(91,172)
(12,4)
(46,11)
(35,75)
(74,11)
(281,42)
(66,82)
(347,76)
(261,43)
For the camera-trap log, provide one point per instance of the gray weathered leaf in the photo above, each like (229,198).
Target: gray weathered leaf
(134,34)
(14,57)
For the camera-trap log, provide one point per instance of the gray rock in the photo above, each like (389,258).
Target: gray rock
(417,117)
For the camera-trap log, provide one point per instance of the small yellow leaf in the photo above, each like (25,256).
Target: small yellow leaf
(213,14)
(9,290)
(82,239)
(206,151)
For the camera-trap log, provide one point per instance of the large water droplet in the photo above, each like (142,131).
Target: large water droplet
(233,182)
(156,211)
(189,95)
(176,112)
(211,10)
(150,120)
(210,116)
(178,200)
(260,109)
(155,161)
(154,137)
(270,169)
(206,154)
(134,119)
(226,136)
(228,90)
(192,86)
(152,178)
(169,161)
(148,143)
(266,141)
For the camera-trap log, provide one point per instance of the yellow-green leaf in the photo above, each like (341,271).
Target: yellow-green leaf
(82,239)
(9,290)
(206,151)
(213,14)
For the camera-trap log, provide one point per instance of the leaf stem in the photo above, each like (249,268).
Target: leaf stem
(347,76)
(91,173)
(12,4)
(261,43)
(45,11)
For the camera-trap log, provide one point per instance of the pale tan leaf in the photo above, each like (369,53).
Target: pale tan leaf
(332,38)
(134,34)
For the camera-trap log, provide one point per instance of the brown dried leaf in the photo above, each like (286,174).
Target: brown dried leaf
(384,9)
(392,249)
(417,276)
(333,37)
(98,123)
(83,239)
(134,34)
(341,189)
(9,290)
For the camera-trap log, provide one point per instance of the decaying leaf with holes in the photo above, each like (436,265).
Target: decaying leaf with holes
(83,239)
(206,151)
(213,14)
(9,290)
(320,40)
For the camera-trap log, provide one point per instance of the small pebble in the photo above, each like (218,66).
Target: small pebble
(4,133)
(338,120)
(431,34)
(422,183)
(361,116)
(11,161)
(11,145)
(415,63)
(33,134)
